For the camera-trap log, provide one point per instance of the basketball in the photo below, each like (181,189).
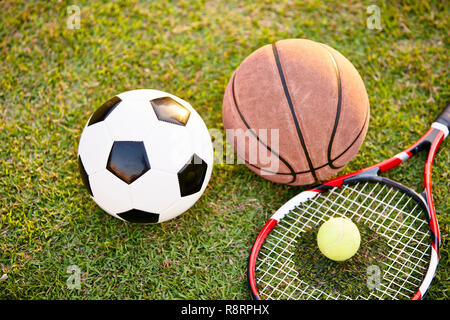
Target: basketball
(296,111)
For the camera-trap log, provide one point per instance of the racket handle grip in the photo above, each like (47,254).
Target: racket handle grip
(444,117)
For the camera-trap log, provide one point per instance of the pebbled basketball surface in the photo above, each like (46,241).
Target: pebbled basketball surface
(312,95)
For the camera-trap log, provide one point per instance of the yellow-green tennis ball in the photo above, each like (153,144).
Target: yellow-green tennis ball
(338,239)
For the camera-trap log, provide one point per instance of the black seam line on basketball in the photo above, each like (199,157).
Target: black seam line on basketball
(254,133)
(338,110)
(291,107)
(357,137)
(325,164)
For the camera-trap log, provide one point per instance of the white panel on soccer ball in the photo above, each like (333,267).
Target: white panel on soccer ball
(202,144)
(179,207)
(110,193)
(154,191)
(130,121)
(169,146)
(95,145)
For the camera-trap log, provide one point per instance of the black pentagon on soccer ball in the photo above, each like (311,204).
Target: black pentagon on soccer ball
(192,175)
(167,109)
(139,216)
(128,160)
(105,109)
(84,175)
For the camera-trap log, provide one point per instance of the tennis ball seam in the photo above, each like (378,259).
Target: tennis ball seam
(341,235)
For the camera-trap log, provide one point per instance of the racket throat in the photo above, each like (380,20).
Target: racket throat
(372,173)
(423,194)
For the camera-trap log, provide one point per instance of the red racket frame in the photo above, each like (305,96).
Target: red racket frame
(429,141)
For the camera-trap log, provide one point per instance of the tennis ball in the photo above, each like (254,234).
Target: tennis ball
(338,239)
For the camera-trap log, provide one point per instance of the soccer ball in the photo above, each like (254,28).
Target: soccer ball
(145,156)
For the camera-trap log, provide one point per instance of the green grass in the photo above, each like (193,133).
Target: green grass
(52,78)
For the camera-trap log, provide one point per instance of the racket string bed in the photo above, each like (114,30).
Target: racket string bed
(386,211)
(415,216)
(399,231)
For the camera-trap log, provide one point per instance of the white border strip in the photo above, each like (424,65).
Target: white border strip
(402,156)
(441,127)
(294,202)
(431,272)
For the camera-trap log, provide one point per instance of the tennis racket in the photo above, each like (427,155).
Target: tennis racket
(400,237)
